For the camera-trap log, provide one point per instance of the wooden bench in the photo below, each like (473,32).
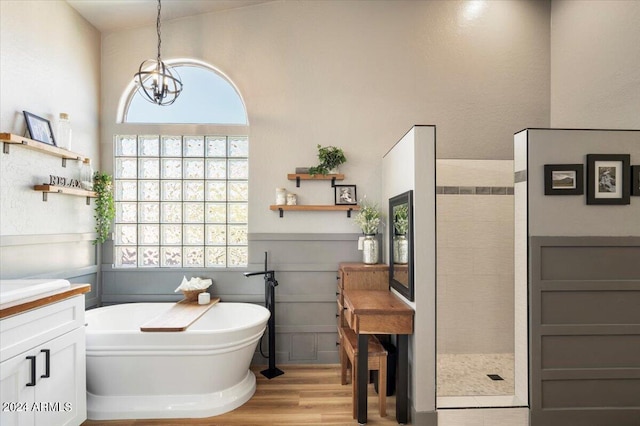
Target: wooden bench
(377,362)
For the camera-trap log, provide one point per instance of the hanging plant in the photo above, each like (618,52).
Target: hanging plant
(330,158)
(105,210)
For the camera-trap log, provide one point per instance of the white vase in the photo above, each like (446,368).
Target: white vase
(400,249)
(370,249)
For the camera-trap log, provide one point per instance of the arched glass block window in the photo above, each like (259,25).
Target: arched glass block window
(208,97)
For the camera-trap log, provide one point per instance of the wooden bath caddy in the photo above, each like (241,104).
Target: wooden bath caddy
(179,317)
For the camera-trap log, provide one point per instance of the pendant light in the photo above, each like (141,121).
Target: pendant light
(159,83)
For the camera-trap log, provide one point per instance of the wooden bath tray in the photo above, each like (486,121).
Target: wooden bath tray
(179,317)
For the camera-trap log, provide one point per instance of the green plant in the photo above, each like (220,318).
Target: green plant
(330,157)
(368,218)
(105,210)
(401,219)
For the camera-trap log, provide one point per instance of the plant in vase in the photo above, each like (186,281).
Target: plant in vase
(330,158)
(401,227)
(368,219)
(105,210)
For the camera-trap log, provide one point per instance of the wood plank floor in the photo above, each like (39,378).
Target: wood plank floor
(304,395)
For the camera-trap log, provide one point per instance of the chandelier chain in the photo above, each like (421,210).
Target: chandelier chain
(158,29)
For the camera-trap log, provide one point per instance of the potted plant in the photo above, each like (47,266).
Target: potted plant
(330,158)
(401,227)
(368,219)
(105,210)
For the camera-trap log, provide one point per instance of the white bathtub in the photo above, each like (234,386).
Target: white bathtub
(200,372)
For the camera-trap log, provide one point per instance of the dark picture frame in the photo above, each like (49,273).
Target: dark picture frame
(608,179)
(345,195)
(39,129)
(635,181)
(563,179)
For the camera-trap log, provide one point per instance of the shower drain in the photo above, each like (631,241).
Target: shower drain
(494,377)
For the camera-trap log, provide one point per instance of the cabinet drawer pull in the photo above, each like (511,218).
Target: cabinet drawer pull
(33,370)
(47,362)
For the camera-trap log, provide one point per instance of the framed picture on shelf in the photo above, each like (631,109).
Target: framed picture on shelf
(635,180)
(345,195)
(608,179)
(39,129)
(563,179)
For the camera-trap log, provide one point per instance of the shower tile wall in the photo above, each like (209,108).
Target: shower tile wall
(475,256)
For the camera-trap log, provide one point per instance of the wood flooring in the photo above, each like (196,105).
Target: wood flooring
(304,395)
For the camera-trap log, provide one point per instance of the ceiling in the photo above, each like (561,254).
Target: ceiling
(111,15)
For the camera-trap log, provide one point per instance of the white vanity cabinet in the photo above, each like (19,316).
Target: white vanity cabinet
(42,365)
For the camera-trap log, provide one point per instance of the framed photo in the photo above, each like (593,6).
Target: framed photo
(563,179)
(635,180)
(608,178)
(39,129)
(345,195)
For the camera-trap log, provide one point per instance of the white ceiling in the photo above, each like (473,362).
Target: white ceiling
(111,15)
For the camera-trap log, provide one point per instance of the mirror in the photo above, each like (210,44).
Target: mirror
(401,244)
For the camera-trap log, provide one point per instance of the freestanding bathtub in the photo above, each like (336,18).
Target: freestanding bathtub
(200,372)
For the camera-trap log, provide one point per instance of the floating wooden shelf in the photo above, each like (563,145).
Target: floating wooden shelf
(46,189)
(320,208)
(300,176)
(9,138)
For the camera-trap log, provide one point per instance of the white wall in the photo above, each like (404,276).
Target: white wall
(595,57)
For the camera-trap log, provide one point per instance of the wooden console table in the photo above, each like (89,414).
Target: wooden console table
(380,312)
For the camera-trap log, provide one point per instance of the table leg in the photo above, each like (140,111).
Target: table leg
(402,409)
(362,375)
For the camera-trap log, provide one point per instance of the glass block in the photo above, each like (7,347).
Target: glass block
(238,169)
(171,168)
(149,146)
(126,146)
(149,190)
(193,234)
(216,169)
(216,191)
(149,212)
(238,256)
(149,257)
(238,147)
(171,146)
(216,213)
(216,257)
(171,212)
(238,213)
(193,146)
(171,190)
(194,190)
(171,256)
(216,234)
(238,234)
(238,191)
(194,257)
(171,234)
(149,168)
(193,169)
(216,146)
(126,190)
(126,168)
(126,235)
(194,212)
(126,257)
(149,234)
(126,212)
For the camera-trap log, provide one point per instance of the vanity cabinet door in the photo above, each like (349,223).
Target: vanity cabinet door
(17,398)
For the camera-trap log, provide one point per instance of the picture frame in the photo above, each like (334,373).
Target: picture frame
(345,195)
(39,129)
(563,179)
(635,181)
(608,179)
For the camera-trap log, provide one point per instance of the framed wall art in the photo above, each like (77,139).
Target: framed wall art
(345,195)
(608,179)
(39,129)
(563,179)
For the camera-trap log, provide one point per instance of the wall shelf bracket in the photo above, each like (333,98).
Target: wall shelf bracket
(281,212)
(297,181)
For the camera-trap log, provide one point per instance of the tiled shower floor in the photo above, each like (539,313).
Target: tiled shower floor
(466,374)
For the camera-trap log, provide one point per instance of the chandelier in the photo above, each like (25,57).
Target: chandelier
(159,83)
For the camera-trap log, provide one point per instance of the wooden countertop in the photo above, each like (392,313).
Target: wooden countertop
(356,266)
(37,301)
(377,312)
